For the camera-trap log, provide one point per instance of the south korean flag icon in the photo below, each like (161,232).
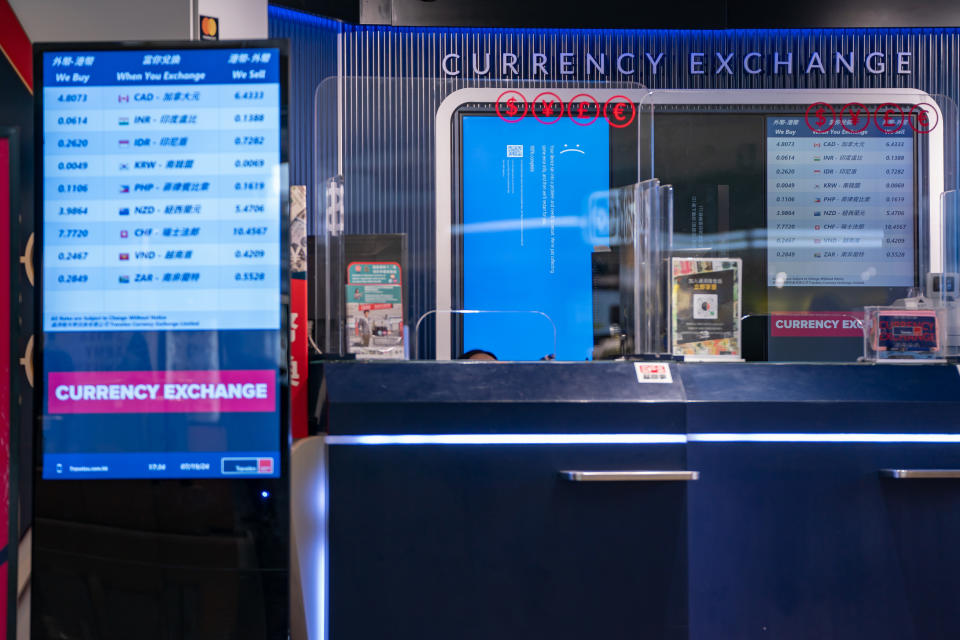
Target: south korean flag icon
(705,306)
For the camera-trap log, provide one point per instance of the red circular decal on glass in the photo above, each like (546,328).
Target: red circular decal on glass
(817,118)
(548,105)
(889,117)
(857,115)
(922,118)
(620,114)
(511,101)
(579,111)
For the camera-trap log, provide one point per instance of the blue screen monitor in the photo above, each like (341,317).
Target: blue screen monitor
(534,213)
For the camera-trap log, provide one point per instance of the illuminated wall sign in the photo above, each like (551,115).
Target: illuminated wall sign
(628,63)
(162,245)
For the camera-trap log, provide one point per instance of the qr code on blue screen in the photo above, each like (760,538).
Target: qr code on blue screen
(514,150)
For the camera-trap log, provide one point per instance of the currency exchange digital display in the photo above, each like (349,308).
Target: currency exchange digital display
(840,205)
(162,261)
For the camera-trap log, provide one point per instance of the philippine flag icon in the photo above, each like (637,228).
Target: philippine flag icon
(124,188)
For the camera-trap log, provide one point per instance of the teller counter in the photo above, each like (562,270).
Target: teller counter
(570,500)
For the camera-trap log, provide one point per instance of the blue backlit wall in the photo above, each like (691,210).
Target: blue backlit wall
(313,57)
(395,79)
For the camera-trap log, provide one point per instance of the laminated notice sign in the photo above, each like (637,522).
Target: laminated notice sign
(374,298)
(705,307)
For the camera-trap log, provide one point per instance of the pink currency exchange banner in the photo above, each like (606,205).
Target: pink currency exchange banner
(161,391)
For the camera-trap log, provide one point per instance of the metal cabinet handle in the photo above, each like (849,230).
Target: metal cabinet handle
(630,476)
(920,474)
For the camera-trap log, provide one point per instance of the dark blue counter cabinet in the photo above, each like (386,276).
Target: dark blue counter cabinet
(794,532)
(450,515)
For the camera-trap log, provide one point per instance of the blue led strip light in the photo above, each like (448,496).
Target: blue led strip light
(892,438)
(512,438)
(639,438)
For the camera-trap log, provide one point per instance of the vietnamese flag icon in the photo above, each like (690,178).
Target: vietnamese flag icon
(124,256)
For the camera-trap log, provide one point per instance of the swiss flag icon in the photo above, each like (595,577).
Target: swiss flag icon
(264,465)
